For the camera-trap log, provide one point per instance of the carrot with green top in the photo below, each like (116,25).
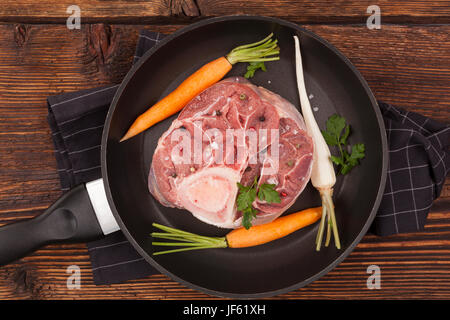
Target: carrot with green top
(238,238)
(212,72)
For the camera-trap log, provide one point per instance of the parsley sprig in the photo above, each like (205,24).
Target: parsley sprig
(336,134)
(252,67)
(246,196)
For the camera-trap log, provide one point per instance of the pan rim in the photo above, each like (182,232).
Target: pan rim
(271,293)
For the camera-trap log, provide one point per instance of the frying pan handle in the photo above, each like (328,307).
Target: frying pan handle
(70,219)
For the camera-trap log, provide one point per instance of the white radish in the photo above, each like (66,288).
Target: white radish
(323,176)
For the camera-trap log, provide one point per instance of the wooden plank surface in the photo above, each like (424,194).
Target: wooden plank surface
(404,65)
(163,11)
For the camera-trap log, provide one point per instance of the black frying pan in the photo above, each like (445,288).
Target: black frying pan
(271,269)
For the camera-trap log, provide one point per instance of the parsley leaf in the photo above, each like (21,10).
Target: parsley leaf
(329,138)
(247,216)
(336,134)
(252,67)
(357,153)
(344,137)
(268,193)
(246,196)
(335,125)
(338,161)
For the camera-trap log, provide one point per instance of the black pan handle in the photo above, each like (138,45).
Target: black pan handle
(70,219)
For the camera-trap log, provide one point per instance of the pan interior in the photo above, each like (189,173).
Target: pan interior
(285,263)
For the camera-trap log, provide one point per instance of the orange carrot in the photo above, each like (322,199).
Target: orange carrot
(238,238)
(279,228)
(203,78)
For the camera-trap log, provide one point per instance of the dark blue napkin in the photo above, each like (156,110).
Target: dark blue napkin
(419,161)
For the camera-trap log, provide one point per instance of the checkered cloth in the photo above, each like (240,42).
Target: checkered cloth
(419,162)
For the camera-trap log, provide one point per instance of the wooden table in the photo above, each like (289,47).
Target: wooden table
(406,62)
